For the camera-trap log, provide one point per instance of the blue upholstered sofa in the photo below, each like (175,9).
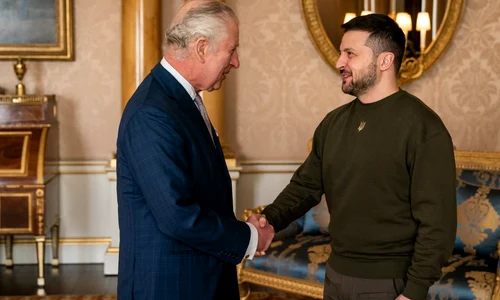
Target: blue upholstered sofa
(295,261)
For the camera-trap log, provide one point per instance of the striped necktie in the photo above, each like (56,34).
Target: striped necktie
(204,114)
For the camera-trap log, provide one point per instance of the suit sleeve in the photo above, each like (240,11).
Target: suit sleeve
(155,151)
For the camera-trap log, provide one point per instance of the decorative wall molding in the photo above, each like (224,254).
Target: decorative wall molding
(71,250)
(88,207)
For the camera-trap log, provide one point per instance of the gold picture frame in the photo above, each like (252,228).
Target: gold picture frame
(36,30)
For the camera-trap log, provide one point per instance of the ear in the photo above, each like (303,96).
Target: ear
(201,47)
(386,60)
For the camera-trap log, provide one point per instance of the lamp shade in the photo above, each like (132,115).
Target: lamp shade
(423,21)
(404,21)
(348,17)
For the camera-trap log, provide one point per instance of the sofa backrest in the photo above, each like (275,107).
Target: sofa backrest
(478,212)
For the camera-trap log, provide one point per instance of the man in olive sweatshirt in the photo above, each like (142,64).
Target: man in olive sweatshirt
(385,163)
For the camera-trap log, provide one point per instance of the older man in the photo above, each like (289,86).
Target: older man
(179,238)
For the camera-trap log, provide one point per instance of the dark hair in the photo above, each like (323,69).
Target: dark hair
(385,35)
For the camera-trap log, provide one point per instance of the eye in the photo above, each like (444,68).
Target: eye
(349,54)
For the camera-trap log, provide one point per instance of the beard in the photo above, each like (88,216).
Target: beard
(360,86)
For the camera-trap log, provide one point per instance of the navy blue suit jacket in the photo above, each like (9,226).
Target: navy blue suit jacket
(179,238)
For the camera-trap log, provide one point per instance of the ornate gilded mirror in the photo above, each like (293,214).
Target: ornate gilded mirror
(428,24)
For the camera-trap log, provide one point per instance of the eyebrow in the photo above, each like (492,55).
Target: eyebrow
(347,49)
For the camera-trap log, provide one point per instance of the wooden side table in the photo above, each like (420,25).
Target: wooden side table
(29,135)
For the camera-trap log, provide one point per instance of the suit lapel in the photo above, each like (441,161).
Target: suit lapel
(177,92)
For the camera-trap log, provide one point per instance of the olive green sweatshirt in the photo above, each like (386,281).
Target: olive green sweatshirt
(387,170)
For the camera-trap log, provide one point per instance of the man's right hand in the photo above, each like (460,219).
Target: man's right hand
(265,232)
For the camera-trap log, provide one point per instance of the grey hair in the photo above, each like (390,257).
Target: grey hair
(207,19)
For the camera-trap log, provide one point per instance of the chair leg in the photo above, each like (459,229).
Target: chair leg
(40,251)
(9,239)
(55,244)
(244,288)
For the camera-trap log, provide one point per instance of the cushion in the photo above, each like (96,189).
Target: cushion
(317,218)
(465,276)
(300,257)
(480,178)
(478,219)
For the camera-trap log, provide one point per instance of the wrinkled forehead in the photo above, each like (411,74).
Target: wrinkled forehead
(233,32)
(354,39)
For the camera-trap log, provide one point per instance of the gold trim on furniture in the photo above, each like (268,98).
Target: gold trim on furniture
(30,214)
(62,50)
(22,126)
(26,98)
(40,254)
(250,211)
(475,160)
(287,284)
(23,170)
(432,52)
(41,156)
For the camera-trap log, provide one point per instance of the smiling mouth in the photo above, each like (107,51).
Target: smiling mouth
(344,74)
(345,77)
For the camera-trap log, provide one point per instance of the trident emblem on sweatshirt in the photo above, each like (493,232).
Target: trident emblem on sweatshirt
(361,126)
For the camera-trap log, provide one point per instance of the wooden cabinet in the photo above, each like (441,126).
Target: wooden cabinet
(28,138)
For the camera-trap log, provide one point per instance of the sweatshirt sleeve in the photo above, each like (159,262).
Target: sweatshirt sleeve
(434,208)
(302,193)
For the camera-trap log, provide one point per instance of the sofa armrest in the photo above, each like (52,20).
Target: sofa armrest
(250,211)
(496,291)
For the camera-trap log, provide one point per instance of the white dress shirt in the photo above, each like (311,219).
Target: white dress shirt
(252,245)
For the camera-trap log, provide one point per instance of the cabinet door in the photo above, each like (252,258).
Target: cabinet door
(17,212)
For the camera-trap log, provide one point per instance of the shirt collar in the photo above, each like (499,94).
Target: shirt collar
(187,86)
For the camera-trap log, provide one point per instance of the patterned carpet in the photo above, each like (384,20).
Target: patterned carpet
(253,296)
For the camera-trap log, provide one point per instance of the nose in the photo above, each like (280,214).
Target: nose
(235,61)
(340,62)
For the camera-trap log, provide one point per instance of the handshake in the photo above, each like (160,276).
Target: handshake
(265,232)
